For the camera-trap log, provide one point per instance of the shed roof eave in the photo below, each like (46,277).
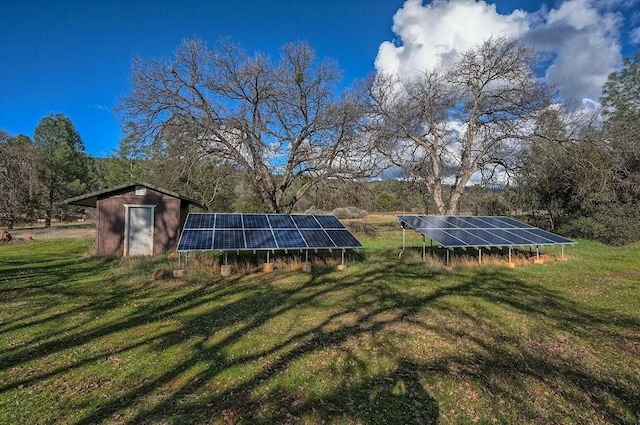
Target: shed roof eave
(90,199)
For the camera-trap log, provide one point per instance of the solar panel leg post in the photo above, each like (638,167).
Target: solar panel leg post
(343,257)
(562,251)
(404,241)
(537,253)
(509,254)
(447,257)
(479,256)
(424,248)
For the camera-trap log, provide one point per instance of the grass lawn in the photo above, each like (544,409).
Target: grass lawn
(87,340)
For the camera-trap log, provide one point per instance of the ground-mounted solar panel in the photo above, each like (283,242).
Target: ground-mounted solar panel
(289,239)
(255,221)
(196,240)
(200,221)
(239,232)
(260,239)
(228,240)
(480,231)
(329,222)
(305,222)
(317,239)
(343,238)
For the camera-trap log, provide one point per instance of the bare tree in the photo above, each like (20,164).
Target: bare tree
(19,185)
(445,125)
(279,122)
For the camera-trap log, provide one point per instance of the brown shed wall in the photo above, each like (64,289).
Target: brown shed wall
(110,229)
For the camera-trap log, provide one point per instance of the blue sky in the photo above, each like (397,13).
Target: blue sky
(73,57)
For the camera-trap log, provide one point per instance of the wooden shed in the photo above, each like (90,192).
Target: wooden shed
(136,219)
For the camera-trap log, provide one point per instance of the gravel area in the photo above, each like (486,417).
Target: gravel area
(55,232)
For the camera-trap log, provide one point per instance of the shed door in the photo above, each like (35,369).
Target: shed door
(140,231)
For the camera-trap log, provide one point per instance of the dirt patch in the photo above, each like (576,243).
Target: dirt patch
(55,232)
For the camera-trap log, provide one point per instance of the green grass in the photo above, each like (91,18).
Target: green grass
(87,340)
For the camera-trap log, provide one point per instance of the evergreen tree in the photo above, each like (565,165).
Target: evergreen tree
(63,167)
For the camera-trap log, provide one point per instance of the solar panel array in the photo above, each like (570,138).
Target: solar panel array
(480,231)
(242,232)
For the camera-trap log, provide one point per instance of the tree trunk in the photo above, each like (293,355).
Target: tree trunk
(49,211)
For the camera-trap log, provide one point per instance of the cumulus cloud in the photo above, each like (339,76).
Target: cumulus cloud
(578,38)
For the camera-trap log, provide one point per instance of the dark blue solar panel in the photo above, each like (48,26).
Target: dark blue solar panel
(228,240)
(459,222)
(317,239)
(228,221)
(329,222)
(454,231)
(415,221)
(289,239)
(306,221)
(438,222)
(281,221)
(260,239)
(551,236)
(533,238)
(481,223)
(441,237)
(489,236)
(515,223)
(195,240)
(255,221)
(467,222)
(199,221)
(343,239)
(467,237)
(230,232)
(513,238)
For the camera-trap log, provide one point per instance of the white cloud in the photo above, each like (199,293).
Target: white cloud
(433,35)
(579,38)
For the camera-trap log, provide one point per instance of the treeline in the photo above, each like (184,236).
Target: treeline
(37,175)
(245,133)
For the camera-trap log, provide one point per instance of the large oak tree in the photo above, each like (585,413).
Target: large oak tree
(443,126)
(280,121)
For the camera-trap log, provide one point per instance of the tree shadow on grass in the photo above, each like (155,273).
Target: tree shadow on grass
(231,372)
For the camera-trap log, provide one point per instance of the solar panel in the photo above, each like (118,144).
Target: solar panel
(238,232)
(260,239)
(480,231)
(329,222)
(289,238)
(196,240)
(199,221)
(317,239)
(255,221)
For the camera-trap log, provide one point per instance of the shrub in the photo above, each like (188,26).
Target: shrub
(349,212)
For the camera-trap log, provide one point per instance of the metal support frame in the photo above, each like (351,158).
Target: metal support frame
(424,248)
(404,242)
(343,256)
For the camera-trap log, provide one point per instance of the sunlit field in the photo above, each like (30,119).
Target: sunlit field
(87,340)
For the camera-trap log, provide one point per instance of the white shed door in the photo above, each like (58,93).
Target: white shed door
(140,232)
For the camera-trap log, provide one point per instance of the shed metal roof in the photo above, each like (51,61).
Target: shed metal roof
(90,199)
